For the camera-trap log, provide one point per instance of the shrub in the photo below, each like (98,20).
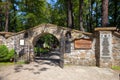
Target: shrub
(44,50)
(5,54)
(11,54)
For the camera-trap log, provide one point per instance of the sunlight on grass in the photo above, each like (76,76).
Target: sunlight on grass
(116,67)
(21,62)
(6,63)
(10,63)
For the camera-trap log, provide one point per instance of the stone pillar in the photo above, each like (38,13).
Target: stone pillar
(105,44)
(105,48)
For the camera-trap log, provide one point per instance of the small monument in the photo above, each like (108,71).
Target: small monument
(105,39)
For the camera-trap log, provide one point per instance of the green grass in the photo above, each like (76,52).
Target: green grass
(21,62)
(116,67)
(10,63)
(6,63)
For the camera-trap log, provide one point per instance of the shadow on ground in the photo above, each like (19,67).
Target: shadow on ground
(1,78)
(51,62)
(36,67)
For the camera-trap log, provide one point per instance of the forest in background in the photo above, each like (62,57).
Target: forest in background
(84,15)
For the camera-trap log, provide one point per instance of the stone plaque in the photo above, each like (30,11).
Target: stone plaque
(105,45)
(83,44)
(22,42)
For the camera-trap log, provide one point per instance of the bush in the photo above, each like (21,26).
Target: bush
(11,54)
(5,54)
(44,50)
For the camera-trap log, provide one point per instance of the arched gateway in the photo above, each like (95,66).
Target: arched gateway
(80,48)
(24,41)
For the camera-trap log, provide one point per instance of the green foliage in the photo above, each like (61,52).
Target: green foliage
(5,54)
(11,54)
(24,14)
(35,49)
(41,50)
(48,40)
(45,43)
(44,50)
(116,67)
(58,13)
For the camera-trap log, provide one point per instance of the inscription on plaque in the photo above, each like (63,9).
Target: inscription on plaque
(82,44)
(105,45)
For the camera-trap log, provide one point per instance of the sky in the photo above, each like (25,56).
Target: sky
(52,1)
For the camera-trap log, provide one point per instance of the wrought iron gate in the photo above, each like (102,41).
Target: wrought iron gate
(62,50)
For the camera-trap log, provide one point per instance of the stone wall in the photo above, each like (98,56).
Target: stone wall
(2,40)
(92,57)
(85,57)
(116,49)
(13,42)
(108,50)
(30,36)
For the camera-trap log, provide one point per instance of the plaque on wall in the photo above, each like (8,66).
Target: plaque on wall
(83,44)
(105,45)
(22,42)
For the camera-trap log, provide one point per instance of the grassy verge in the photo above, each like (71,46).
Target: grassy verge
(10,63)
(6,63)
(116,67)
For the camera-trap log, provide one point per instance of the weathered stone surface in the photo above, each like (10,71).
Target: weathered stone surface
(2,40)
(81,56)
(30,37)
(106,49)
(86,57)
(116,49)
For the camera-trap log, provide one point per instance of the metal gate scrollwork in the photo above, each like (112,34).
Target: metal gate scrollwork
(62,50)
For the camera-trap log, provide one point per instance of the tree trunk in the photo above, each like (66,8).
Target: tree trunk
(115,12)
(90,16)
(0,19)
(104,13)
(69,14)
(80,15)
(96,10)
(6,17)
(15,25)
(89,19)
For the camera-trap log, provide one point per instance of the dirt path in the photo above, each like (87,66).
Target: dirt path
(45,70)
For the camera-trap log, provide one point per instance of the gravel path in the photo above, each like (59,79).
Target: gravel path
(45,70)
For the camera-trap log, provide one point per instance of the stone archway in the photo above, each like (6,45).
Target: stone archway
(80,55)
(50,52)
(46,41)
(31,35)
(36,38)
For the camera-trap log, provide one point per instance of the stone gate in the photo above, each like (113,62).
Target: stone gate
(81,48)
